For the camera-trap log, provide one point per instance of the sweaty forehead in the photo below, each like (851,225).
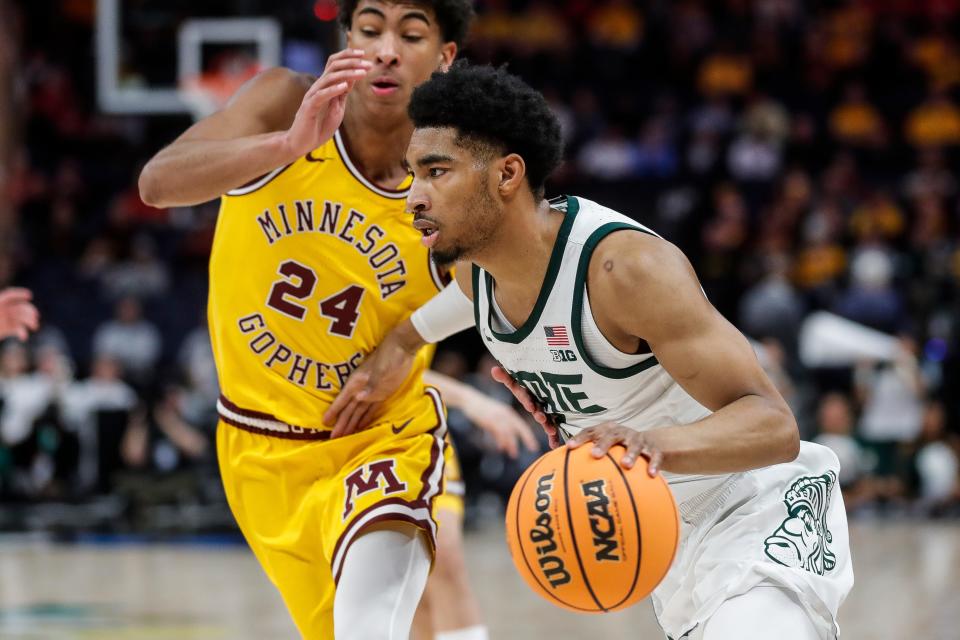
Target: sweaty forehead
(432,140)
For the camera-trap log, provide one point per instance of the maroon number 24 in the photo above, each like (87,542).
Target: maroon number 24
(298,283)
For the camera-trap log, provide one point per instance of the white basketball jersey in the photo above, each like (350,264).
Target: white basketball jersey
(550,356)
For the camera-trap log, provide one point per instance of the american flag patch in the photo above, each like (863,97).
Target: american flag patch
(557,336)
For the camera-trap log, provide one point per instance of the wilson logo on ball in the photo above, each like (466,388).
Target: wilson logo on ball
(589,535)
(601,522)
(542,536)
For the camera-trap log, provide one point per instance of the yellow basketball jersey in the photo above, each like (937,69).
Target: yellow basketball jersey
(311,266)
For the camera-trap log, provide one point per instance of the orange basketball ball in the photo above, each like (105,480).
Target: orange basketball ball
(589,535)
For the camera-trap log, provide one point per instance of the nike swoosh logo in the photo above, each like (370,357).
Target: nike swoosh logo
(397,429)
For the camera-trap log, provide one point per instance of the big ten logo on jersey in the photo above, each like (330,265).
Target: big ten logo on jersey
(372,476)
(349,227)
(558,393)
(563,355)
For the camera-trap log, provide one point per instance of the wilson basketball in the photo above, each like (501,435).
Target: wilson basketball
(589,535)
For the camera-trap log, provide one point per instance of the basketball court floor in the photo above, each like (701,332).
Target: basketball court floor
(908,586)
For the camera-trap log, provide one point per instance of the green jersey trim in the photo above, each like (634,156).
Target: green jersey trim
(476,295)
(553,268)
(579,285)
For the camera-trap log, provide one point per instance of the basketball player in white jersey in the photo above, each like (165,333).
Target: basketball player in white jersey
(605,324)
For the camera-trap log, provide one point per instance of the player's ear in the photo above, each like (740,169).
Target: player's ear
(512,172)
(447,53)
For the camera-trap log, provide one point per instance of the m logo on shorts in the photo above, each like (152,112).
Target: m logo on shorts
(369,477)
(801,540)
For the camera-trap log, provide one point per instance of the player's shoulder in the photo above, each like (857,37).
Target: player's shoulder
(638,252)
(631,260)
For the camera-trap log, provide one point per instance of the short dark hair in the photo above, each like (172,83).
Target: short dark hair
(453,16)
(490,105)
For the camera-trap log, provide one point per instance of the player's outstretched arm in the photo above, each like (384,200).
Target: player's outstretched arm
(18,316)
(272,120)
(383,371)
(496,418)
(644,287)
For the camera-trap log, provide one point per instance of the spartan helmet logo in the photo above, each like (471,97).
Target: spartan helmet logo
(801,540)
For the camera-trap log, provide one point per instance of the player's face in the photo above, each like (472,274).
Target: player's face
(451,197)
(404,42)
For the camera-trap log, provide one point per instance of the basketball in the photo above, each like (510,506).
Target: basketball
(587,534)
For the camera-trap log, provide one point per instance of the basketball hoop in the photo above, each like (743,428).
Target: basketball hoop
(208,92)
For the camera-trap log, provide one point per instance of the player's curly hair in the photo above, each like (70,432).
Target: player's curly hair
(453,16)
(497,109)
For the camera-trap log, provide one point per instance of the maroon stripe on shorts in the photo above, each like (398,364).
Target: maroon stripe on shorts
(293,432)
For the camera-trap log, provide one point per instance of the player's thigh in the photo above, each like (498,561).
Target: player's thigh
(389,479)
(760,614)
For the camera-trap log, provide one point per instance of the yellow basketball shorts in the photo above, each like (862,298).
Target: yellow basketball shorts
(301,503)
(451,498)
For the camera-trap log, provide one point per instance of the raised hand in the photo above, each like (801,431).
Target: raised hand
(322,109)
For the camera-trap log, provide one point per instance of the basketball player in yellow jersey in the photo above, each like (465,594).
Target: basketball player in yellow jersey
(313,262)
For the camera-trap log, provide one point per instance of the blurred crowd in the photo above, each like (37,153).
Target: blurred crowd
(803,154)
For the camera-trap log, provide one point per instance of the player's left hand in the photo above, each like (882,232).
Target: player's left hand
(609,434)
(500,421)
(527,401)
(18,316)
(375,380)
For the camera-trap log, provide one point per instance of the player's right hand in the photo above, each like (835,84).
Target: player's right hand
(377,378)
(322,109)
(526,399)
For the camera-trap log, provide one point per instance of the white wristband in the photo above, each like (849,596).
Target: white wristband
(447,313)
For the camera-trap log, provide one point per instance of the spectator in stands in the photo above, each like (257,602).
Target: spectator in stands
(855,121)
(25,394)
(655,155)
(756,155)
(616,25)
(129,338)
(878,218)
(195,360)
(89,404)
(772,307)
(931,177)
(936,461)
(835,430)
(725,72)
(142,275)
(174,442)
(891,396)
(611,156)
(871,298)
(935,123)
